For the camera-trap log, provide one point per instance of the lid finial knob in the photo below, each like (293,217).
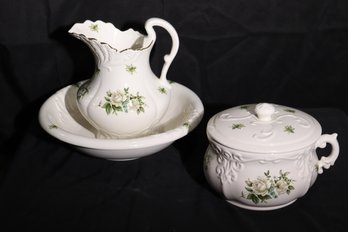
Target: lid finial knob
(264,111)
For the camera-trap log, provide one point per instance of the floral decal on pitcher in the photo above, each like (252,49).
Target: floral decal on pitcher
(83,89)
(268,187)
(131,69)
(123,101)
(94,27)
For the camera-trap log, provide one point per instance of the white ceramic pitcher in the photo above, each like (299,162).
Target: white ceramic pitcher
(124,98)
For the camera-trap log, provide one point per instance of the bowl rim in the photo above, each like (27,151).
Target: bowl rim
(167,136)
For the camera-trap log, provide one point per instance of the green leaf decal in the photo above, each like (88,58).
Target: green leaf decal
(238,126)
(131,69)
(289,129)
(52,126)
(162,90)
(94,27)
(289,110)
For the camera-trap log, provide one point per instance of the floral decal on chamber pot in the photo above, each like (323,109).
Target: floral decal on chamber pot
(267,187)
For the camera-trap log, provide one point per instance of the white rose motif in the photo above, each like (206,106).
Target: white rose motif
(261,186)
(281,186)
(117,98)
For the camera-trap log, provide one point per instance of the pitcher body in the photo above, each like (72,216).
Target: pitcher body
(124,98)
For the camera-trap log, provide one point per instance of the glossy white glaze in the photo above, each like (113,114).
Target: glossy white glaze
(124,98)
(263,157)
(60,117)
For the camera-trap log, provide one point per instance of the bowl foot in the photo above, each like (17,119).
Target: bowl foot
(260,208)
(123,159)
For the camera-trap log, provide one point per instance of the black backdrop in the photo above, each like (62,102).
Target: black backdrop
(232,52)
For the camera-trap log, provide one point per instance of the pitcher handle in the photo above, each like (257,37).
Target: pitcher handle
(327,161)
(168,58)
